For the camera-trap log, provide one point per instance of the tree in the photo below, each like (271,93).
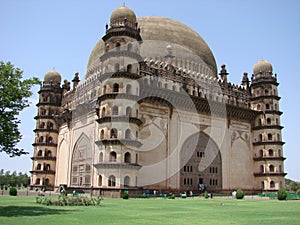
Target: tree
(14,94)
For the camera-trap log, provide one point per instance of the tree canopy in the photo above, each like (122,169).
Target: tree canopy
(14,97)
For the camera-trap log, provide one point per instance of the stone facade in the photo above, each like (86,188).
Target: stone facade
(153,113)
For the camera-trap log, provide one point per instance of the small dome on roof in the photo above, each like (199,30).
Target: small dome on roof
(53,77)
(262,66)
(122,13)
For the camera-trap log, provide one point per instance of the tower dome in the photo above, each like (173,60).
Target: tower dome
(53,77)
(262,66)
(121,14)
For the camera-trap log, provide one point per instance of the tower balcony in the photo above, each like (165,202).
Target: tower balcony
(262,127)
(45,130)
(115,165)
(268,143)
(46,158)
(265,97)
(113,96)
(52,172)
(125,119)
(270,174)
(115,141)
(50,103)
(269,158)
(44,144)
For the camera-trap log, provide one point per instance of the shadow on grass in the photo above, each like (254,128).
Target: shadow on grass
(18,211)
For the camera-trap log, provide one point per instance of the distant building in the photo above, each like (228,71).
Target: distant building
(153,112)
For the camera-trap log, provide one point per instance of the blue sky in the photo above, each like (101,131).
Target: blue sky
(38,36)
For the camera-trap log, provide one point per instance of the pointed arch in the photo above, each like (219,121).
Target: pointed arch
(81,162)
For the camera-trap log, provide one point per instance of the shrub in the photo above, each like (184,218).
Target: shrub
(125,195)
(13,191)
(281,194)
(206,194)
(239,194)
(298,191)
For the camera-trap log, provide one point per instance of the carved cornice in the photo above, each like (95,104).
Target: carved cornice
(133,143)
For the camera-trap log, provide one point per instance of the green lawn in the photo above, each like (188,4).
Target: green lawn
(24,210)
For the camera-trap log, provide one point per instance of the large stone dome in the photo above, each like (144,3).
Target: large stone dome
(157,34)
(262,66)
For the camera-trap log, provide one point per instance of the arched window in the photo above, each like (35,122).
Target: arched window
(118,46)
(271,168)
(40,153)
(174,88)
(112,181)
(129,68)
(260,137)
(272,184)
(43,112)
(269,121)
(103,112)
(126,181)
(261,153)
(47,182)
(101,157)
(128,111)
(115,110)
(266,92)
(279,153)
(262,169)
(262,185)
(258,107)
(137,113)
(114,133)
(39,167)
(102,134)
(100,181)
(117,67)
(159,84)
(136,134)
(267,106)
(104,89)
(113,157)
(116,88)
(49,153)
(49,125)
(127,157)
(278,137)
(276,107)
(259,122)
(271,152)
(41,139)
(129,47)
(136,158)
(48,167)
(50,140)
(128,89)
(42,125)
(38,181)
(128,134)
(280,169)
(270,137)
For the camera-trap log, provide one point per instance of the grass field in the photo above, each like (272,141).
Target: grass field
(24,210)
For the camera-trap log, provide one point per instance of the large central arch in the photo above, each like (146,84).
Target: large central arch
(81,167)
(200,163)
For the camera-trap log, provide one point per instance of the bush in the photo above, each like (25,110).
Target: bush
(206,194)
(281,194)
(13,191)
(125,195)
(298,191)
(240,194)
